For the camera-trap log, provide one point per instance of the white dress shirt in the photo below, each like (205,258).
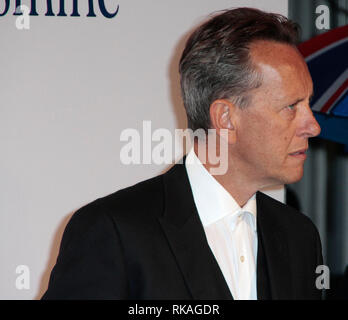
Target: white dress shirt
(230,230)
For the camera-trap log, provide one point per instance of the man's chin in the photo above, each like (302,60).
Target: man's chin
(294,177)
(288,177)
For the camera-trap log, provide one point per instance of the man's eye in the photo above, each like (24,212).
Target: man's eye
(291,107)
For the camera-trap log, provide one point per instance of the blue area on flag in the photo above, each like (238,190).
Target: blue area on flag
(341,109)
(327,67)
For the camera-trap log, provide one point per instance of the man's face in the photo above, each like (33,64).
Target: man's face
(273,131)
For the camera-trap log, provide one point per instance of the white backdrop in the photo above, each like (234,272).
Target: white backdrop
(69,86)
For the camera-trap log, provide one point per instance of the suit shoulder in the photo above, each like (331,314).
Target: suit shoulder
(141,198)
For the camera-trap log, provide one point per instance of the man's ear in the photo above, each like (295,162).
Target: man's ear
(222,116)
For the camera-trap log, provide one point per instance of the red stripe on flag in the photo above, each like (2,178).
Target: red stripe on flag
(323,40)
(335,96)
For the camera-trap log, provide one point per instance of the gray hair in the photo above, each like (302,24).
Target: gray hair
(216,62)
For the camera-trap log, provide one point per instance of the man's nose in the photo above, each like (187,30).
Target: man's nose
(311,125)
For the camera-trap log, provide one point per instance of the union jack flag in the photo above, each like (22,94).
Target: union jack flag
(327,59)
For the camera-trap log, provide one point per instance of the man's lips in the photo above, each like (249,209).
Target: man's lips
(299,153)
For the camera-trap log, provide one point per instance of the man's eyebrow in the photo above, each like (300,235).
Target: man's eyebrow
(302,99)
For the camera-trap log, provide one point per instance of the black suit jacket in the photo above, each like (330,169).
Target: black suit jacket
(147,242)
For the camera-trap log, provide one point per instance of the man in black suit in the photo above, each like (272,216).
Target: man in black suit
(194,234)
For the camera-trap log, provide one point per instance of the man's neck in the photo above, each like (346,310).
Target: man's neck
(240,187)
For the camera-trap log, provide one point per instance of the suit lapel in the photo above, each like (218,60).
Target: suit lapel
(273,264)
(185,234)
(262,277)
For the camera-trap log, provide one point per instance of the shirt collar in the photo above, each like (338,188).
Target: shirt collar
(212,200)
